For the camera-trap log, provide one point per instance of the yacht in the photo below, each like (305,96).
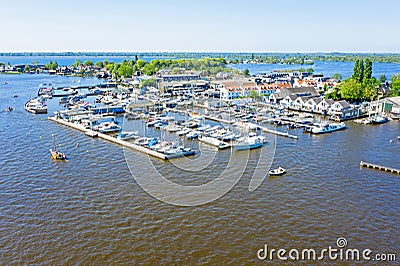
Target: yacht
(379,119)
(108,127)
(36,106)
(249,143)
(127,135)
(322,128)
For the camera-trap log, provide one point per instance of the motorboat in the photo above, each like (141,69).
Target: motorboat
(322,128)
(36,106)
(248,143)
(108,127)
(379,119)
(183,132)
(127,135)
(9,109)
(193,135)
(277,172)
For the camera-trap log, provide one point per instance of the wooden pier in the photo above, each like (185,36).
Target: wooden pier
(127,144)
(379,167)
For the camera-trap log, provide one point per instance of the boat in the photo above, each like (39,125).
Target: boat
(248,143)
(15,95)
(398,138)
(108,127)
(57,155)
(323,128)
(183,132)
(127,135)
(9,109)
(379,119)
(36,106)
(277,172)
(193,135)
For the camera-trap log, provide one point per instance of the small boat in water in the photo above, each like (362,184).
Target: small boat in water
(277,172)
(108,127)
(9,109)
(193,135)
(127,135)
(379,119)
(57,155)
(15,95)
(249,143)
(327,127)
(36,106)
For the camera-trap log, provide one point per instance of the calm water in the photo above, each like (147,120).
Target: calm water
(327,68)
(91,210)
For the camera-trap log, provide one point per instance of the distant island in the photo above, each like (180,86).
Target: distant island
(234,58)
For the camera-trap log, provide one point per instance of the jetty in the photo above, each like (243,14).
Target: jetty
(379,167)
(124,143)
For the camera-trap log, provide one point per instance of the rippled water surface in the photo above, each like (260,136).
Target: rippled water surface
(91,210)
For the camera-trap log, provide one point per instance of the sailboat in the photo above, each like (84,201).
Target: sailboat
(57,155)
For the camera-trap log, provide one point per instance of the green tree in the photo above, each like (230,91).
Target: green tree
(88,63)
(337,76)
(100,64)
(149,82)
(125,71)
(350,89)
(77,63)
(367,69)
(396,88)
(358,71)
(246,72)
(382,79)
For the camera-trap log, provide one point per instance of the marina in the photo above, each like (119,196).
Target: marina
(88,208)
(121,142)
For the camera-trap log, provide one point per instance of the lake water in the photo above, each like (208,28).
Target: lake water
(90,210)
(324,67)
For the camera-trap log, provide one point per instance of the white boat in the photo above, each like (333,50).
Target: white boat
(327,127)
(248,143)
(36,106)
(230,137)
(183,132)
(108,127)
(144,141)
(173,128)
(127,135)
(193,135)
(379,119)
(153,123)
(204,127)
(277,172)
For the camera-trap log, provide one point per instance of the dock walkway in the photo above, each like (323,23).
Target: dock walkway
(118,141)
(379,167)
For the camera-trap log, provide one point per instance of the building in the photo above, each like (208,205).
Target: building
(283,92)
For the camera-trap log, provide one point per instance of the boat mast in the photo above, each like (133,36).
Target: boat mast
(54,139)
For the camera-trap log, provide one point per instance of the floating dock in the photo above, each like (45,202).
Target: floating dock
(127,144)
(379,167)
(215,142)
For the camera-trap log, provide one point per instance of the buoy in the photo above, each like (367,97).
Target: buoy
(40,137)
(87,151)
(77,144)
(391,141)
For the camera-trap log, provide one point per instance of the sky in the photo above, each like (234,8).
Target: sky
(200,26)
